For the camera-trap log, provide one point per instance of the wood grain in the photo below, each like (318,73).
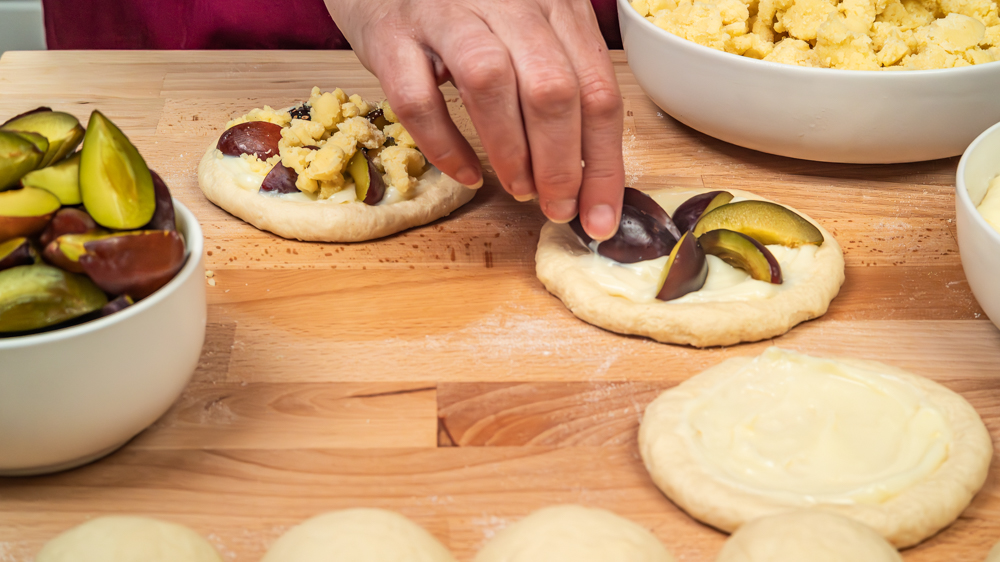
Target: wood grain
(430,372)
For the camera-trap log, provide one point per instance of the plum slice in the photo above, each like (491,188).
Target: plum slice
(25,211)
(742,252)
(765,222)
(67,220)
(645,231)
(62,179)
(36,296)
(133,263)
(687,215)
(18,156)
(15,252)
(62,130)
(259,138)
(369,187)
(280,180)
(163,216)
(686,269)
(115,183)
(648,206)
(40,142)
(65,251)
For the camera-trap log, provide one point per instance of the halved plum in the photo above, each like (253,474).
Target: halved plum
(280,180)
(765,222)
(369,187)
(686,269)
(62,130)
(133,263)
(742,252)
(15,252)
(115,183)
(18,156)
(687,215)
(62,179)
(259,138)
(36,296)
(68,220)
(25,212)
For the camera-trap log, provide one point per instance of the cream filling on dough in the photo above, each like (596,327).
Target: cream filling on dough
(989,207)
(637,282)
(792,426)
(246,178)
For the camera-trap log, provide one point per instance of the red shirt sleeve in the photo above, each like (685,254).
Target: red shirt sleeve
(215,24)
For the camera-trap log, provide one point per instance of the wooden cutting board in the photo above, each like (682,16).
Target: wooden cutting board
(430,372)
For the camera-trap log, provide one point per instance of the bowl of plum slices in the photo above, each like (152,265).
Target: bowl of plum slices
(102,292)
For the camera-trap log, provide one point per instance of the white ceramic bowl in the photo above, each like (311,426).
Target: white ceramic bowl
(978,242)
(70,396)
(812,113)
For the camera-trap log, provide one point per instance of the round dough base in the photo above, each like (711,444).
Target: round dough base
(330,222)
(697,324)
(358,535)
(573,532)
(810,535)
(904,520)
(128,539)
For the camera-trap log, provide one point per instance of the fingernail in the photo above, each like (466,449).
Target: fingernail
(601,222)
(523,190)
(470,178)
(561,211)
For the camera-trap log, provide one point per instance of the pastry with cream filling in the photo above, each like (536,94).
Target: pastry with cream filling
(695,267)
(756,436)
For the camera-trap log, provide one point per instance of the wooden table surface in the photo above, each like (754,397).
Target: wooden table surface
(430,372)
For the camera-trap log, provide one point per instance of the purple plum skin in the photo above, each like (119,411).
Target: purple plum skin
(688,270)
(687,215)
(163,216)
(259,138)
(280,180)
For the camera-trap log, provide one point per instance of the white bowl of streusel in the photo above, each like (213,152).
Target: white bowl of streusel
(807,79)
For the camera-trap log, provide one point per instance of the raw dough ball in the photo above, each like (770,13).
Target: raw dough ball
(573,532)
(994,555)
(757,436)
(800,535)
(128,539)
(358,535)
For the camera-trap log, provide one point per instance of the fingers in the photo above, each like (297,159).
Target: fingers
(480,67)
(601,108)
(410,78)
(549,96)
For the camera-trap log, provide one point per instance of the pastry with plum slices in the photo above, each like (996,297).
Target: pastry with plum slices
(695,267)
(332,169)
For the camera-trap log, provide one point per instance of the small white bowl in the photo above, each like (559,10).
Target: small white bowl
(864,117)
(978,242)
(71,396)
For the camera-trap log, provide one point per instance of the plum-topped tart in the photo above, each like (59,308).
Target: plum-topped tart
(334,169)
(695,267)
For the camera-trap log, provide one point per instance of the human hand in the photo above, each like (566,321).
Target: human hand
(538,84)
